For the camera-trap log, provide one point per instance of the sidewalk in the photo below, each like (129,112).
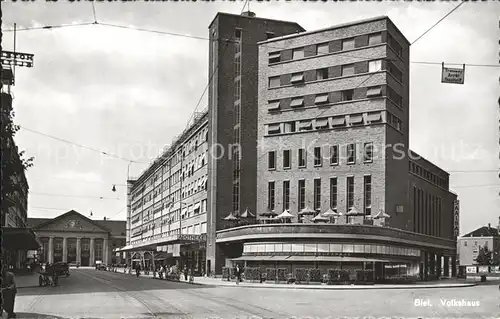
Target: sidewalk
(27,280)
(206,281)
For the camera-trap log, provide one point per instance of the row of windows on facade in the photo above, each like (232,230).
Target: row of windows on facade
(190,210)
(191,188)
(335,46)
(200,228)
(476,244)
(171,179)
(330,248)
(427,212)
(335,122)
(334,72)
(71,247)
(348,151)
(189,147)
(236,127)
(327,98)
(317,191)
(427,175)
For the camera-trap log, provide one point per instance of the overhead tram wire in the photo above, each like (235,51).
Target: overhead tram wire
(50,27)
(80,145)
(76,196)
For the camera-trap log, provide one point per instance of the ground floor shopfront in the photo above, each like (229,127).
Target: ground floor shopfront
(388,253)
(183,251)
(16,243)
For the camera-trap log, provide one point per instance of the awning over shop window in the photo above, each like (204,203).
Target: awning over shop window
(338,121)
(322,123)
(356,119)
(252,258)
(374,117)
(19,239)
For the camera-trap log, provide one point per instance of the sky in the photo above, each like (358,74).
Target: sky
(130,93)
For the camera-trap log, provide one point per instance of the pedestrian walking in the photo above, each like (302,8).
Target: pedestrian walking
(9,291)
(238,274)
(186,273)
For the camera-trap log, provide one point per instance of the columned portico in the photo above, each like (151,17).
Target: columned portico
(51,249)
(92,251)
(105,251)
(78,250)
(65,249)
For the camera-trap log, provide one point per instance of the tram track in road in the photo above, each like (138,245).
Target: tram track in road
(242,308)
(136,296)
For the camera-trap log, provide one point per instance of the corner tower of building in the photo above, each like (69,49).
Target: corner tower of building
(233,96)
(333,106)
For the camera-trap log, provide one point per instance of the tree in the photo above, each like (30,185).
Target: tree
(13,163)
(484,257)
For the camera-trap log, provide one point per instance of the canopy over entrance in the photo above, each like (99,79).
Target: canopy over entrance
(19,239)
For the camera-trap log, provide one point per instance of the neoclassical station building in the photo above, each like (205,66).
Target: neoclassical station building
(77,239)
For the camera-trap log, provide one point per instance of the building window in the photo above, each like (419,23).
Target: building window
(350,193)
(334,155)
(274,57)
(374,91)
(302,195)
(465,243)
(290,127)
(297,102)
(333,193)
(317,194)
(348,44)
(271,160)
(347,95)
(368,195)
(302,158)
(321,99)
(286,195)
(270,193)
(322,48)
(237,33)
(347,69)
(274,129)
(297,77)
(269,35)
(374,39)
(274,82)
(351,153)
(237,65)
(318,161)
(237,89)
(322,74)
(298,53)
(286,159)
(375,66)
(368,154)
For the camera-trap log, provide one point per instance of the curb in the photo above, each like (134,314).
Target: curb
(342,287)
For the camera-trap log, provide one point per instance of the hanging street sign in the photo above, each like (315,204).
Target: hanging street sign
(451,75)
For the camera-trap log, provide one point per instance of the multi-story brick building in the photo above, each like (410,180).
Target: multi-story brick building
(17,238)
(167,204)
(233,92)
(333,132)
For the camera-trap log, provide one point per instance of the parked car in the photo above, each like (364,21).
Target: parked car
(61,269)
(99,265)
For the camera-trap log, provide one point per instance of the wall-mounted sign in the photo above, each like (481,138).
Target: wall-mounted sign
(484,269)
(456,218)
(452,75)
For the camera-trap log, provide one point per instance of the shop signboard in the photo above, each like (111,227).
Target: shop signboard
(456,218)
(495,269)
(471,269)
(484,269)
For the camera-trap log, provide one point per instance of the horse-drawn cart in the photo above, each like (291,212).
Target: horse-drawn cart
(48,279)
(50,275)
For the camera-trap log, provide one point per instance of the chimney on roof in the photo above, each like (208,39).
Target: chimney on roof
(248,14)
(104,217)
(489,226)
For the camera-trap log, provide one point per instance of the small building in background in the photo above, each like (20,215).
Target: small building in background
(77,239)
(469,245)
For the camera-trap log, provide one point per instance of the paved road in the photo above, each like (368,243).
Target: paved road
(89,293)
